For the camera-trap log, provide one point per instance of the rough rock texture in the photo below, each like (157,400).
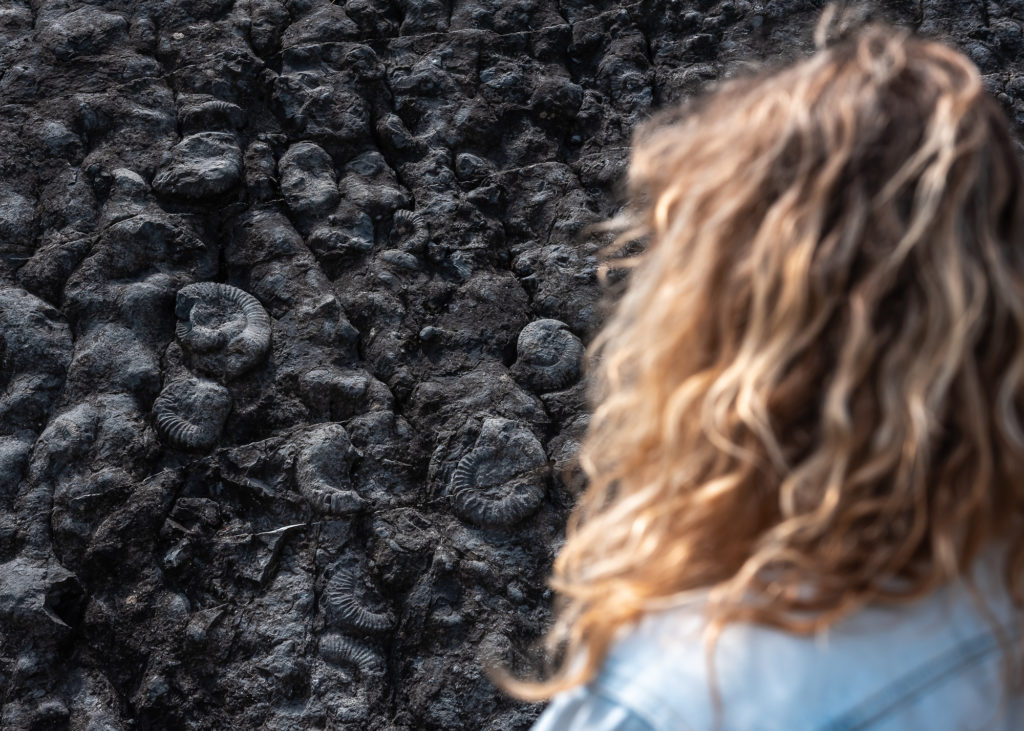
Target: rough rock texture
(325,492)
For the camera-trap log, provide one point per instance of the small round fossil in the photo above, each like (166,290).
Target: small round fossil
(190,412)
(411,229)
(548,356)
(345,604)
(225,330)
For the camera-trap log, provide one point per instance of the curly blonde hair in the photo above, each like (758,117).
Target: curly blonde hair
(809,395)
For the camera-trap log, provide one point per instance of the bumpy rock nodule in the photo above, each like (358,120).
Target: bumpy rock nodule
(202,165)
(322,471)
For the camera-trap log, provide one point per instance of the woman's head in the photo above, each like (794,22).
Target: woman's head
(809,395)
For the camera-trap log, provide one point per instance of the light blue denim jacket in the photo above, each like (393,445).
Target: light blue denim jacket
(935,665)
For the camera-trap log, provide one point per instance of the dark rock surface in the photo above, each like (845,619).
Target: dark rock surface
(326,490)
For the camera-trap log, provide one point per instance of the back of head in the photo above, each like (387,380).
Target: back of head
(809,395)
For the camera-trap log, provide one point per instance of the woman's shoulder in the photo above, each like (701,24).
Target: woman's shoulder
(931,664)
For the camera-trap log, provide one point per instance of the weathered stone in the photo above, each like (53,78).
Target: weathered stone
(201,165)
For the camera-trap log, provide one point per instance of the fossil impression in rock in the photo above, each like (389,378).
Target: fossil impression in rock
(410,229)
(343,596)
(501,481)
(226,331)
(191,412)
(548,356)
(212,114)
(322,470)
(341,650)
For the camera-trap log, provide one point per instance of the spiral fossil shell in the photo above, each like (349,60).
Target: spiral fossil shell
(411,229)
(225,330)
(548,356)
(501,481)
(341,650)
(190,413)
(213,113)
(346,606)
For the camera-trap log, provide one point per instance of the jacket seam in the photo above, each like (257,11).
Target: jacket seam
(918,682)
(634,713)
(608,691)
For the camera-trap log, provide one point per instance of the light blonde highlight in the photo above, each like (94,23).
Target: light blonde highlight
(808,398)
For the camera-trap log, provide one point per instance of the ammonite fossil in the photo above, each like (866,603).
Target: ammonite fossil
(345,604)
(225,330)
(191,412)
(501,481)
(548,356)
